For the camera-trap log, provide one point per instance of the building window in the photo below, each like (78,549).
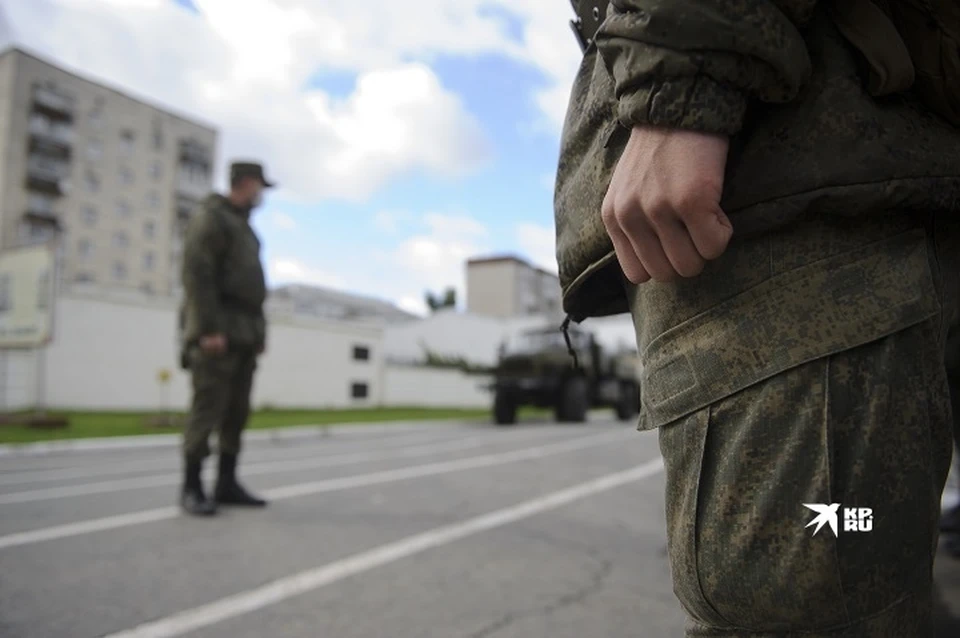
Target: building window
(123,209)
(120,239)
(148,262)
(94,149)
(89,215)
(85,248)
(32,233)
(38,203)
(5,293)
(95,119)
(84,278)
(153,200)
(149,229)
(126,175)
(126,142)
(361,353)
(359,390)
(156,170)
(92,182)
(147,288)
(119,271)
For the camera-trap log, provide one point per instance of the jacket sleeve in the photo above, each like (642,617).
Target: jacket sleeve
(203,251)
(695,64)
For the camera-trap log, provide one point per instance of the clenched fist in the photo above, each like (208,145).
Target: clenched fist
(662,209)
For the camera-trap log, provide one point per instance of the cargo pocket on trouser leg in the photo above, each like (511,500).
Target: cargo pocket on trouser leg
(863,429)
(820,386)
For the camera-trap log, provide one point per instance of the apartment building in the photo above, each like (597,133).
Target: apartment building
(110,176)
(508,287)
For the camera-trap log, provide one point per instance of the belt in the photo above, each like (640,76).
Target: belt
(590,15)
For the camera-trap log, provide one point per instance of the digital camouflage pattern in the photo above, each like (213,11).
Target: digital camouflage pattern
(223,280)
(221,402)
(224,292)
(804,366)
(779,76)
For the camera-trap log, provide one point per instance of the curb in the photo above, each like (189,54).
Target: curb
(287,433)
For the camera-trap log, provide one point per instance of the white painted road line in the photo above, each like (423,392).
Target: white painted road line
(93,469)
(269,467)
(312,579)
(319,487)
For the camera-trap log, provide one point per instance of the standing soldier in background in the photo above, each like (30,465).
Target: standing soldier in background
(772,189)
(224,331)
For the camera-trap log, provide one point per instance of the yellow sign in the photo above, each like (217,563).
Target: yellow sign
(163,376)
(27,280)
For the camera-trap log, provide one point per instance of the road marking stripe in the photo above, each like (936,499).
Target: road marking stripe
(269,467)
(171,461)
(317,487)
(312,579)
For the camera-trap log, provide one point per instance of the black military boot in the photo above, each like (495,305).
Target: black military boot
(192,499)
(229,491)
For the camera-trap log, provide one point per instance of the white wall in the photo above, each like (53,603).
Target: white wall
(447,332)
(107,353)
(434,387)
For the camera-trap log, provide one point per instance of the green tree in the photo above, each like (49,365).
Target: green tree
(447,300)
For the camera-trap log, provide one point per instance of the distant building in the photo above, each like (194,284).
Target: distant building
(116,177)
(326,303)
(508,287)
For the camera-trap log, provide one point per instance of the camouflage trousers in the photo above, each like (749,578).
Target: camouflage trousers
(805,366)
(221,402)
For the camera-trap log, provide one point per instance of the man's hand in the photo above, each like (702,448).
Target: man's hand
(662,210)
(214,344)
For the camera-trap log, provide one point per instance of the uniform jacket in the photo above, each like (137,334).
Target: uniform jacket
(780,79)
(223,281)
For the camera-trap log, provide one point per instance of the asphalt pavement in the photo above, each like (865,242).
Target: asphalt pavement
(434,530)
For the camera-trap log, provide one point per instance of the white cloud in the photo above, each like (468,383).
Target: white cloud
(245,71)
(539,244)
(288,271)
(430,260)
(436,259)
(416,305)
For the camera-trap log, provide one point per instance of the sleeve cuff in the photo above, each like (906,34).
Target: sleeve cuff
(696,103)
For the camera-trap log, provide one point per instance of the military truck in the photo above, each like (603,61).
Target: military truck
(536,369)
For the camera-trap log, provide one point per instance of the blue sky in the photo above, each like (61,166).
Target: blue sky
(407,137)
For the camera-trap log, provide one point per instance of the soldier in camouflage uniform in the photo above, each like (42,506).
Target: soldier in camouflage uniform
(787,245)
(224,331)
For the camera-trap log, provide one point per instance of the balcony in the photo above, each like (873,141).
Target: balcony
(47,175)
(53,103)
(193,152)
(193,182)
(50,138)
(40,210)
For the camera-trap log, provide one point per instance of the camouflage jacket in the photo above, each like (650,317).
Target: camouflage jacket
(223,281)
(776,75)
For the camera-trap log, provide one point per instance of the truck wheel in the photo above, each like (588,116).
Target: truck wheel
(629,404)
(504,410)
(573,401)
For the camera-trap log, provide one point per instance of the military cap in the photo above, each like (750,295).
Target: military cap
(249,169)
